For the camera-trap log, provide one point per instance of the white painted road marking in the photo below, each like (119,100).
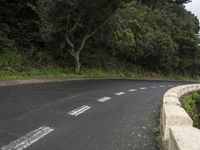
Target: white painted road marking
(132,90)
(79,110)
(162,86)
(143,88)
(153,87)
(28,139)
(103,99)
(170,85)
(120,93)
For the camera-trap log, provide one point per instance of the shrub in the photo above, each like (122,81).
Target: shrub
(191,104)
(9,60)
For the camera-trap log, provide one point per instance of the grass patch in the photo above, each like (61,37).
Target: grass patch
(86,73)
(191,104)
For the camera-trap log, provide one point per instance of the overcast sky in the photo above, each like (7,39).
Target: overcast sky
(194,7)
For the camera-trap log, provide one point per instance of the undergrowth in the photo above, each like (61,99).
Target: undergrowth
(191,104)
(87,73)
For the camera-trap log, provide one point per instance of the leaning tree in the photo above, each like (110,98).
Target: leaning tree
(73,22)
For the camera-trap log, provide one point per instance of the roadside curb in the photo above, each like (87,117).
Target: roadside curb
(177,126)
(4,83)
(29,81)
(45,80)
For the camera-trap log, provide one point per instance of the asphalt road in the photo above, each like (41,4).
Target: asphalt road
(81,115)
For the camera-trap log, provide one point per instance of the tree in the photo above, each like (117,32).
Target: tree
(21,21)
(73,22)
(180,2)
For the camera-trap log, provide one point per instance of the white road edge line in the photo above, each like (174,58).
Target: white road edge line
(79,110)
(120,93)
(103,99)
(132,90)
(28,139)
(143,88)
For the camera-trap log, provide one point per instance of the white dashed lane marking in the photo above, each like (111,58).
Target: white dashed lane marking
(79,110)
(170,85)
(153,87)
(162,86)
(143,88)
(132,90)
(103,99)
(28,139)
(120,93)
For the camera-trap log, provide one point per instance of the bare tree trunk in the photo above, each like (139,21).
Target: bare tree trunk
(73,50)
(76,53)
(77,61)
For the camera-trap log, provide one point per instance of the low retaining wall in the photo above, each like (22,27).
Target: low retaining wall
(177,128)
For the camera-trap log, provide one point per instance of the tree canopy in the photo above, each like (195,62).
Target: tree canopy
(73,22)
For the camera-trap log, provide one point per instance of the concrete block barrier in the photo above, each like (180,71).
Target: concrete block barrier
(184,138)
(177,128)
(175,115)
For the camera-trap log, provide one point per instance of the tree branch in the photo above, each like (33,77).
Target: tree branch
(68,18)
(83,43)
(75,25)
(98,28)
(89,35)
(71,51)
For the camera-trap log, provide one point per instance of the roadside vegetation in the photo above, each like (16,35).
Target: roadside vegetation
(88,73)
(98,38)
(191,104)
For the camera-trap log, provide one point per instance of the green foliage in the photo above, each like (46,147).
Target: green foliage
(57,72)
(21,21)
(123,38)
(72,18)
(180,2)
(5,42)
(158,36)
(136,36)
(163,53)
(164,2)
(18,32)
(10,60)
(191,104)
(68,24)
(43,57)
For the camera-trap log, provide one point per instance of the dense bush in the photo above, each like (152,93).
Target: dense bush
(160,40)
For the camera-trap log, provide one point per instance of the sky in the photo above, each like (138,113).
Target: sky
(194,7)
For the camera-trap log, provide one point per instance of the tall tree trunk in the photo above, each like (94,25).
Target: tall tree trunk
(77,61)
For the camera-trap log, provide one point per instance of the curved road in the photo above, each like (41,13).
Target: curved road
(81,115)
